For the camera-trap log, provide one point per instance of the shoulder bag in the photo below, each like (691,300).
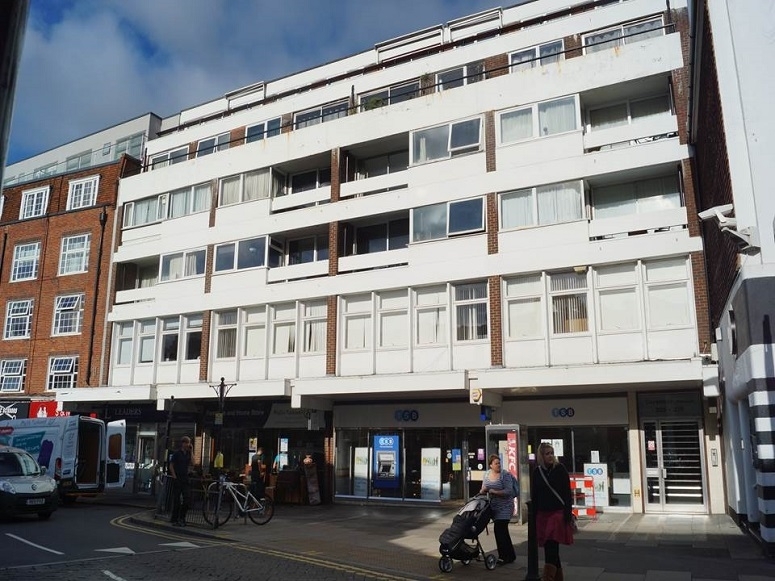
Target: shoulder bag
(573,519)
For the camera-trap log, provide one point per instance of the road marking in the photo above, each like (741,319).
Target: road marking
(122,550)
(41,547)
(185,545)
(113,576)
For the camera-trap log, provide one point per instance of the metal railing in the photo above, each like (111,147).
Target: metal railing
(194,501)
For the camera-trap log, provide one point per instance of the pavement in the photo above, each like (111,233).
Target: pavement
(401,542)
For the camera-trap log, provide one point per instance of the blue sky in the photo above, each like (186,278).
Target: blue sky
(90,64)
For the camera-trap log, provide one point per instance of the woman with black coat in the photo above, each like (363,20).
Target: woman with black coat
(550,494)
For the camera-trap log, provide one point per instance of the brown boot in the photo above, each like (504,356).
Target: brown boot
(558,576)
(550,573)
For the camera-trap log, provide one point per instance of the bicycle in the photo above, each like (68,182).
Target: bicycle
(221,496)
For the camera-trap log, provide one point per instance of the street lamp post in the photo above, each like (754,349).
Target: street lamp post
(221,391)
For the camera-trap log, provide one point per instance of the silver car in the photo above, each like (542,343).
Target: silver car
(25,488)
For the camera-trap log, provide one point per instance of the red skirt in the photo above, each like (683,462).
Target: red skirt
(551,526)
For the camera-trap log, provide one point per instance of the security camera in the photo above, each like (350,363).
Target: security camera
(746,239)
(721,214)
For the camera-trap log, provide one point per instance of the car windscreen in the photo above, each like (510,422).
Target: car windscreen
(13,464)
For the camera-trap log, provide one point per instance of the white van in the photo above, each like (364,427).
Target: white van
(83,454)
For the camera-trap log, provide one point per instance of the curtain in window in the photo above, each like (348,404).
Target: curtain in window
(315,336)
(258,184)
(607,117)
(179,203)
(559,203)
(255,341)
(603,40)
(658,194)
(201,198)
(523,60)
(557,116)
(516,125)
(357,330)
(551,52)
(145,211)
(471,322)
(614,201)
(172,267)
(284,338)
(148,276)
(195,263)
(650,108)
(230,193)
(569,313)
(517,209)
(431,326)
(525,318)
(227,343)
(643,30)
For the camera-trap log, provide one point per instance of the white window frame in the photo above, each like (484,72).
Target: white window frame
(18,319)
(471,305)
(226,323)
(26,259)
(62,373)
(79,255)
(393,305)
(169,328)
(655,284)
(358,307)
(171,157)
(284,340)
(189,259)
(219,143)
(146,335)
(254,327)
(390,95)
(68,311)
(535,109)
(276,186)
(538,59)
(34,203)
(609,283)
(449,208)
(269,128)
(622,37)
(628,104)
(236,254)
(78,161)
(439,311)
(561,294)
(321,114)
(415,136)
(82,193)
(534,193)
(527,289)
(13,373)
(125,334)
(314,322)
(192,326)
(467,76)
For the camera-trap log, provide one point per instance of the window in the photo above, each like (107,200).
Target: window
(82,193)
(193,331)
(78,161)
(74,257)
(68,314)
(213,144)
(321,114)
(465,75)
(146,341)
(638,197)
(668,302)
(18,319)
(551,52)
(391,235)
(124,337)
(471,311)
(34,203)
(226,333)
(618,297)
(623,34)
(131,146)
(254,185)
(383,164)
(447,219)
(629,112)
(310,249)
(263,130)
(446,140)
(524,311)
(240,255)
(254,332)
(568,293)
(284,329)
(175,204)
(62,372)
(12,374)
(315,324)
(357,322)
(551,204)
(26,258)
(44,171)
(169,157)
(431,315)
(309,180)
(539,120)
(390,95)
(182,265)
(393,318)
(170,334)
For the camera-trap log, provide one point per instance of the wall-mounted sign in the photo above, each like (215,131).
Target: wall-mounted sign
(13,410)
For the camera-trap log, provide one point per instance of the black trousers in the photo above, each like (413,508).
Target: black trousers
(180,491)
(503,541)
(552,553)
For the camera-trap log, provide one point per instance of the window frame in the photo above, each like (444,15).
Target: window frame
(253,323)
(18,312)
(236,255)
(60,317)
(66,365)
(220,142)
(308,320)
(534,206)
(622,37)
(270,128)
(83,160)
(628,103)
(31,201)
(321,114)
(604,288)
(527,296)
(441,310)
(384,311)
(184,254)
(125,334)
(76,200)
(66,256)
(13,368)
(535,109)
(537,60)
(18,262)
(169,157)
(451,151)
(449,206)
(466,78)
(563,293)
(363,309)
(284,316)
(392,95)
(684,281)
(468,303)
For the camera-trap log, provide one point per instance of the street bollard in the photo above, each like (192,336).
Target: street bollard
(532,545)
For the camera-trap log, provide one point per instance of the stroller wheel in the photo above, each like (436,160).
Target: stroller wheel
(491,562)
(445,564)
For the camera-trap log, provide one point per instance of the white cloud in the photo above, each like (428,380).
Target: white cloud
(102,62)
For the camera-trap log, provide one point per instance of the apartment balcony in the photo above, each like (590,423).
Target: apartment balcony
(307,198)
(374,185)
(639,132)
(374,260)
(278,274)
(636,224)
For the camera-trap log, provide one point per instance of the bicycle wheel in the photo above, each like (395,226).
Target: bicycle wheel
(260,511)
(210,506)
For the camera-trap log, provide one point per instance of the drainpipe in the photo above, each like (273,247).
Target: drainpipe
(2,249)
(95,294)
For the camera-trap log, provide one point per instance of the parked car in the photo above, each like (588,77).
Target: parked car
(25,487)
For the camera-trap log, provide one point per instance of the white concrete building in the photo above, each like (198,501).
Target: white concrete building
(498,210)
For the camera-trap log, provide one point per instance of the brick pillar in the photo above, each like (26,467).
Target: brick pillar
(204,349)
(336,174)
(331,322)
(492,198)
(213,201)
(192,149)
(237,136)
(489,141)
(209,262)
(496,323)
(286,125)
(492,223)
(572,45)
(681,77)
(497,65)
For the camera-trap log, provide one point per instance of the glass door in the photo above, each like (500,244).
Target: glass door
(674,475)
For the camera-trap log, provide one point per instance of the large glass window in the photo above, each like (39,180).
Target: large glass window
(74,257)
(431,315)
(446,140)
(627,112)
(213,144)
(618,296)
(640,197)
(68,314)
(25,261)
(390,95)
(524,308)
(284,329)
(393,313)
(447,219)
(524,59)
(471,311)
(539,120)
(18,319)
(146,341)
(182,265)
(263,130)
(240,255)
(226,333)
(193,337)
(169,157)
(321,114)
(357,322)
(457,77)
(667,293)
(568,295)
(124,338)
(12,374)
(623,34)
(254,331)
(550,204)
(314,324)
(62,372)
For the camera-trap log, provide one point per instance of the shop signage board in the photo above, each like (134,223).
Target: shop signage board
(599,474)
(430,473)
(387,472)
(13,410)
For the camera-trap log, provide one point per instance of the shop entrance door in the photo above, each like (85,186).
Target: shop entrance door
(146,463)
(674,475)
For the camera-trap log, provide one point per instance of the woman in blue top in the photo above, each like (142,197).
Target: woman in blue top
(499,485)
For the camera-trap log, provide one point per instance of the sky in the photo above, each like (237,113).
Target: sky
(90,64)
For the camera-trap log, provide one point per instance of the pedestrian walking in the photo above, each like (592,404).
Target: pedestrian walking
(551,496)
(498,484)
(180,465)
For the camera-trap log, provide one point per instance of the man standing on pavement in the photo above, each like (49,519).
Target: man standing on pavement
(180,463)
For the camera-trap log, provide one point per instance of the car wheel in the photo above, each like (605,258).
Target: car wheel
(44,515)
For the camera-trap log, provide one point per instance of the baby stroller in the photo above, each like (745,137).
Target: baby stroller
(470,520)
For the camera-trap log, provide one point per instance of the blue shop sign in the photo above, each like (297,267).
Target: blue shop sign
(386,468)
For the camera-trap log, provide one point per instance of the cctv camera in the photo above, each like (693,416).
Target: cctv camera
(719,213)
(744,239)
